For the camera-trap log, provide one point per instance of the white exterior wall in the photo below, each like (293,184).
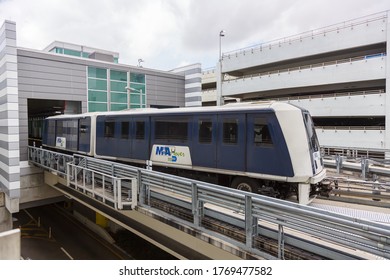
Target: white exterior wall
(346,57)
(310,43)
(354,71)
(344,106)
(354,139)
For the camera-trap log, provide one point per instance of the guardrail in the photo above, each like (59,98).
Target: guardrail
(310,34)
(246,211)
(230,78)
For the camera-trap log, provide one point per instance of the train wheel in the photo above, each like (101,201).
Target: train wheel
(245,184)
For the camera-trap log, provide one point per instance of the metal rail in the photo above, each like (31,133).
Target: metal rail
(308,222)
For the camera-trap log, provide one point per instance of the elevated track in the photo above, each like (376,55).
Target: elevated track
(196,220)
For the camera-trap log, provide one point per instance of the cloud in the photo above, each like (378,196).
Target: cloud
(168,33)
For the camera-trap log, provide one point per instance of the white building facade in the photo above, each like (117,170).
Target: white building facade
(339,73)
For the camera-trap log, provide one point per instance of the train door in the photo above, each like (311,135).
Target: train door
(84,144)
(231,142)
(203,152)
(267,152)
(140,138)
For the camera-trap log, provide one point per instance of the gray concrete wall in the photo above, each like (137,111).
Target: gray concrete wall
(10,246)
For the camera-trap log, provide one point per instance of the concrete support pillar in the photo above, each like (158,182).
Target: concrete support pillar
(303,194)
(218,74)
(10,245)
(387,101)
(9,118)
(5,215)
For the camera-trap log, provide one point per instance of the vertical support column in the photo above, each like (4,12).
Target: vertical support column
(9,118)
(197,206)
(387,88)
(218,74)
(303,194)
(250,222)
(193,84)
(134,193)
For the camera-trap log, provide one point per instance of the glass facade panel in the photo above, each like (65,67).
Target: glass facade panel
(97,84)
(118,86)
(119,97)
(72,52)
(97,107)
(118,107)
(137,88)
(99,73)
(118,76)
(114,97)
(100,96)
(137,78)
(134,99)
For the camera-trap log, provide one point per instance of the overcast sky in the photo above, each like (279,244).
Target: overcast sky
(172,33)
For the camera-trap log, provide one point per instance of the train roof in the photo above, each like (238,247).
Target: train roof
(272,105)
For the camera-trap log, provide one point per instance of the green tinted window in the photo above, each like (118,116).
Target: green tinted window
(137,78)
(118,86)
(118,97)
(97,84)
(97,107)
(137,88)
(100,96)
(135,98)
(99,73)
(72,52)
(118,107)
(118,75)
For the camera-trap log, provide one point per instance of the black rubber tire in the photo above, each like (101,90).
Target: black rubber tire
(245,184)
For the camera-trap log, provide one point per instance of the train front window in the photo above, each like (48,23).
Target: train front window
(311,132)
(230,131)
(262,135)
(205,131)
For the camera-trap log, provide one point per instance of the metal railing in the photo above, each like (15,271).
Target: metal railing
(246,211)
(310,34)
(50,160)
(230,78)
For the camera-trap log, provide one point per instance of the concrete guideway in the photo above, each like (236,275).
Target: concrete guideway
(146,220)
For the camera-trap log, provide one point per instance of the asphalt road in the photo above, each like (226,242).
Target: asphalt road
(49,233)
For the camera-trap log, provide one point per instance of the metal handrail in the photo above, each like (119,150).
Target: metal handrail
(310,34)
(339,229)
(230,78)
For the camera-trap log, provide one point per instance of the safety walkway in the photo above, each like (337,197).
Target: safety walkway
(197,220)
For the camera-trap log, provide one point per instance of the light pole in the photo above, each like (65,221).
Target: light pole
(129,89)
(219,89)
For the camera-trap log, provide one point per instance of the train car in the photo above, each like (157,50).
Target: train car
(70,133)
(269,148)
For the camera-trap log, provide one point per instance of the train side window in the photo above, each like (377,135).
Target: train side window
(205,131)
(83,128)
(125,130)
(261,133)
(230,131)
(109,129)
(59,127)
(140,130)
(176,130)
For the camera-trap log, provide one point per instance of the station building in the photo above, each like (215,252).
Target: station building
(340,73)
(65,78)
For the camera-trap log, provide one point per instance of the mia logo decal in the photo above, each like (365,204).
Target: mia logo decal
(171,154)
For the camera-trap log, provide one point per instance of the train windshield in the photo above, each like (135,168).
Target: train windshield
(317,162)
(311,132)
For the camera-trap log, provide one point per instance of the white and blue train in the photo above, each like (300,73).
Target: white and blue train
(269,148)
